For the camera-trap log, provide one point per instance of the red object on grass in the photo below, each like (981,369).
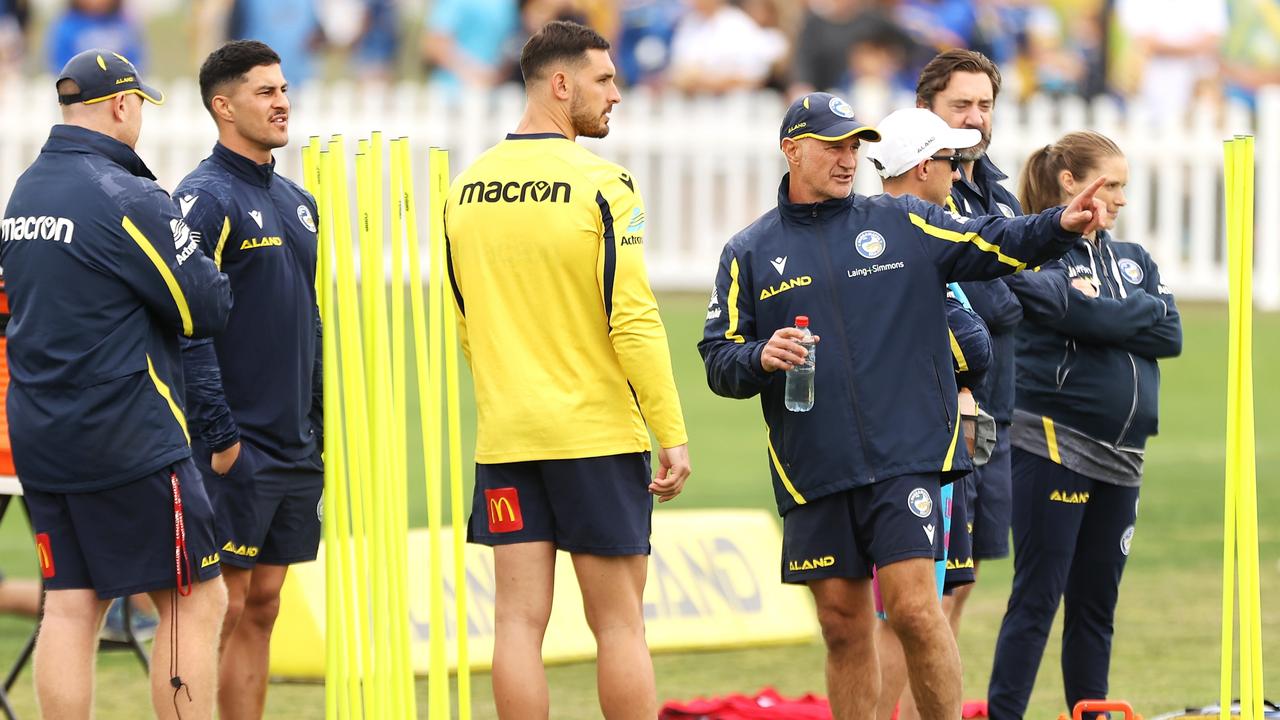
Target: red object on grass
(974,709)
(765,705)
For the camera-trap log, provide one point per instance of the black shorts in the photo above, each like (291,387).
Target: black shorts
(992,508)
(844,534)
(960,543)
(267,509)
(120,541)
(595,506)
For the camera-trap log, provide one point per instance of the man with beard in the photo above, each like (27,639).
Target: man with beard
(254,391)
(961,86)
(570,361)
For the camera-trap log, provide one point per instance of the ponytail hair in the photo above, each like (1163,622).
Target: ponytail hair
(1078,152)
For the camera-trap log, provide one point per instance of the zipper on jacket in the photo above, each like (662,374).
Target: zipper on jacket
(1063,371)
(1133,409)
(844,339)
(941,397)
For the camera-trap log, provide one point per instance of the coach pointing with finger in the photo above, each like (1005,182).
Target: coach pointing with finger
(857,478)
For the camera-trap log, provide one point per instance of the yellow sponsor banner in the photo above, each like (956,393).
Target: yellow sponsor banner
(713,583)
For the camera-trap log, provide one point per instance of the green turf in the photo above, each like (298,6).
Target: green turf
(1167,642)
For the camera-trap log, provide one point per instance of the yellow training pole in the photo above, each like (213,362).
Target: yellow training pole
(349,689)
(311,183)
(428,381)
(334,679)
(457,513)
(438,680)
(356,423)
(409,209)
(1242,524)
(401,668)
(1248,511)
(370,286)
(1226,678)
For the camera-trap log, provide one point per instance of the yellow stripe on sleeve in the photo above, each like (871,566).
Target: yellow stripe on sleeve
(168,396)
(951,205)
(1051,439)
(969,237)
(732,332)
(786,481)
(951,450)
(222,242)
(184,311)
(962,365)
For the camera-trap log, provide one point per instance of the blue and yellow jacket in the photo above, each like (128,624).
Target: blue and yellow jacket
(260,378)
(1095,370)
(869,273)
(103,276)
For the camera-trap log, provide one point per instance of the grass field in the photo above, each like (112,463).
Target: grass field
(1167,640)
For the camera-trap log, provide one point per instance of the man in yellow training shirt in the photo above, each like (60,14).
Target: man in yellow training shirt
(570,360)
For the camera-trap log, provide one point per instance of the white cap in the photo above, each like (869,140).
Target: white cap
(910,135)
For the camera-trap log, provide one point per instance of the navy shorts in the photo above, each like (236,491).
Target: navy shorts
(267,509)
(960,543)
(120,541)
(594,506)
(844,534)
(992,509)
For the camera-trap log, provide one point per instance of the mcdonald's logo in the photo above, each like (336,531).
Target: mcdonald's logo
(504,510)
(45,554)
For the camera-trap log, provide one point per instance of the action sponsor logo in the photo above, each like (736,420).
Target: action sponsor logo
(43,227)
(631,240)
(1070,498)
(304,217)
(1126,540)
(869,244)
(785,285)
(713,307)
(920,503)
(513,192)
(811,563)
(249,551)
(637,221)
(185,240)
(504,510)
(1131,271)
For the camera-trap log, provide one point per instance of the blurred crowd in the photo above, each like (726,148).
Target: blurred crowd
(1160,54)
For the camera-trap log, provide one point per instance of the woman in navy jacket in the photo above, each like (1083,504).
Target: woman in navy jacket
(1087,392)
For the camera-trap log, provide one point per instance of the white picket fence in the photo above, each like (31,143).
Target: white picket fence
(709,166)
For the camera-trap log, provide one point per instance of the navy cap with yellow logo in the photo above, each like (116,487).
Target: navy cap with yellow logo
(102,74)
(825,117)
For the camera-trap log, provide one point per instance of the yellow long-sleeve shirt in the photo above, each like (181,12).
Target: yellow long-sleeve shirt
(569,355)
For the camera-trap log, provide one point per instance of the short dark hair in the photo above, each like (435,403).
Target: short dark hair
(937,74)
(557,41)
(230,62)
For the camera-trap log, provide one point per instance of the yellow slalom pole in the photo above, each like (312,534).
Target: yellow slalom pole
(438,678)
(334,611)
(457,513)
(1248,467)
(1226,676)
(408,209)
(1242,523)
(401,668)
(368,502)
(428,405)
(311,170)
(348,691)
(356,423)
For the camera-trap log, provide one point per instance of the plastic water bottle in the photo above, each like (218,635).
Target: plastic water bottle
(799,392)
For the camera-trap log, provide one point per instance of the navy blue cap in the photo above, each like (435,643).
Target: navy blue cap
(825,117)
(102,74)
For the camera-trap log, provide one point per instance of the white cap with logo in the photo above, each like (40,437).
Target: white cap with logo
(910,135)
